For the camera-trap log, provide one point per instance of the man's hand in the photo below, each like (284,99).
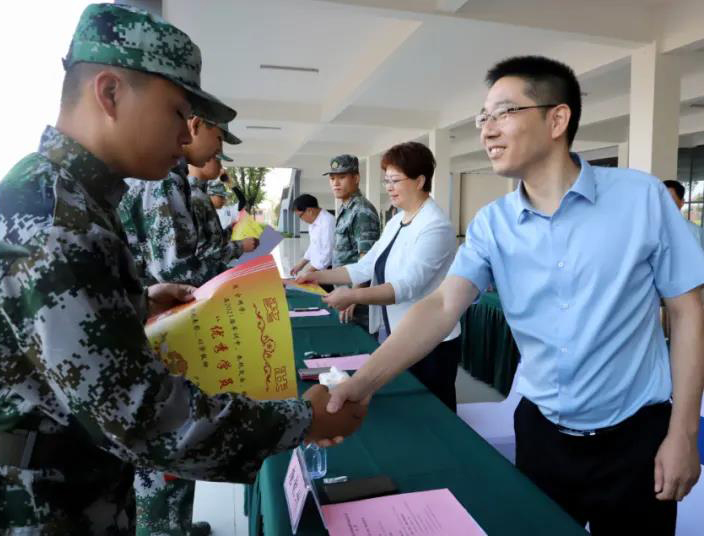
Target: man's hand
(347,314)
(249,244)
(164,296)
(309,276)
(676,467)
(327,429)
(340,298)
(352,390)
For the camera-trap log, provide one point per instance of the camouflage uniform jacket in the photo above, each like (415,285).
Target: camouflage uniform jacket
(75,362)
(210,231)
(356,230)
(163,234)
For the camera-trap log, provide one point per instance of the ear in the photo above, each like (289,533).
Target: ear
(108,90)
(194,124)
(420,182)
(560,120)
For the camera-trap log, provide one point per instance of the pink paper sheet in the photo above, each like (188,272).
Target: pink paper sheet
(298,314)
(348,362)
(424,513)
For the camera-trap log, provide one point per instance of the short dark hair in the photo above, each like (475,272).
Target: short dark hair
(676,186)
(78,73)
(547,82)
(414,159)
(304,201)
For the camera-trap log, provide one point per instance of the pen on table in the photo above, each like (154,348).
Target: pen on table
(302,309)
(312,354)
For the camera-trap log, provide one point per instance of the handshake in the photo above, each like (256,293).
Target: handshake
(326,428)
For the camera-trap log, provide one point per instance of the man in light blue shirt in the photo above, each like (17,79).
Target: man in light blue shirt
(580,275)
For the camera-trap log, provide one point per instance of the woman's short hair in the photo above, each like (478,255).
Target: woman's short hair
(414,159)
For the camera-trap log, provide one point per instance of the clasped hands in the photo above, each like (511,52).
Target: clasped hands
(336,414)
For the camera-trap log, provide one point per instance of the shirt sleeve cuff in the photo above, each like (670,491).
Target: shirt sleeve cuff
(235,249)
(400,293)
(357,275)
(299,416)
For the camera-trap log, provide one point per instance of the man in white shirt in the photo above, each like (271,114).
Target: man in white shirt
(677,192)
(321,230)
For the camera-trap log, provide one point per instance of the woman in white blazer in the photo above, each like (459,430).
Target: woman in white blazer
(409,261)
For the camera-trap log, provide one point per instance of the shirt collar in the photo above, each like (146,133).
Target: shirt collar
(584,186)
(197,183)
(103,184)
(353,198)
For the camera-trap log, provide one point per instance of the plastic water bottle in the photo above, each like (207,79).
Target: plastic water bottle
(316,458)
(316,461)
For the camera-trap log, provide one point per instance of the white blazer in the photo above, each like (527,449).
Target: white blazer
(416,265)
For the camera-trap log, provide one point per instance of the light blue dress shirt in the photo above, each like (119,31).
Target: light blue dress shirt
(581,291)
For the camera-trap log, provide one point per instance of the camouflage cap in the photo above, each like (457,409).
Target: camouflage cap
(128,37)
(345,163)
(217,188)
(228,137)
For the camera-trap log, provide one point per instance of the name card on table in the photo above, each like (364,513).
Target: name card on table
(424,513)
(295,489)
(297,485)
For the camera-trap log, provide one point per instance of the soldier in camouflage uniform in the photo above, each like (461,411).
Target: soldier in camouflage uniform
(357,225)
(82,397)
(210,229)
(165,502)
(202,181)
(160,225)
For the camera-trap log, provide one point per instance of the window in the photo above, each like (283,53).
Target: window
(690,171)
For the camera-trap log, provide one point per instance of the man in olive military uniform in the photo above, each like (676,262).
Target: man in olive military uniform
(82,397)
(357,224)
(210,230)
(164,501)
(159,221)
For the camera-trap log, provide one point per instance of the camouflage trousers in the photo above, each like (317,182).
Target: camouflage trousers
(95,499)
(164,503)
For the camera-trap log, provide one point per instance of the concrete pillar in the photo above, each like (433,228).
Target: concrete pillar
(442,182)
(622,155)
(373,181)
(654,112)
(456,197)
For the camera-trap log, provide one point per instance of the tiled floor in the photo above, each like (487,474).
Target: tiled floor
(222,505)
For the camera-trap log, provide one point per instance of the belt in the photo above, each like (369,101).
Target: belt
(642,412)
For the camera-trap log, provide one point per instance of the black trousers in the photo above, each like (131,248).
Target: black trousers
(438,371)
(606,479)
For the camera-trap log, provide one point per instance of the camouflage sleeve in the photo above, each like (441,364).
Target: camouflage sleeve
(173,239)
(82,332)
(212,248)
(237,248)
(217,252)
(365,231)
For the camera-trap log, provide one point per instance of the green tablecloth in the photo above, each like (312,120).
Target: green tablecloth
(412,437)
(489,352)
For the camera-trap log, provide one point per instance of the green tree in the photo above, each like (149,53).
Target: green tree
(250,181)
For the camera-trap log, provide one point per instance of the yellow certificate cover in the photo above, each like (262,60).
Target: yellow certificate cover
(310,288)
(235,336)
(246,227)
